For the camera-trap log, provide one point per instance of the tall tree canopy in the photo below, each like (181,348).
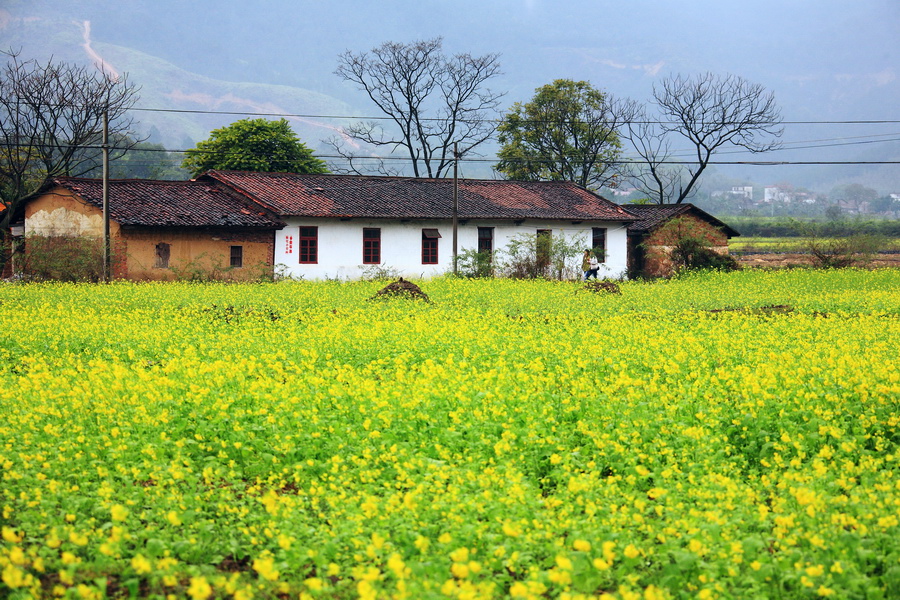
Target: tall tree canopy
(51,124)
(709,112)
(567,132)
(432,101)
(253,145)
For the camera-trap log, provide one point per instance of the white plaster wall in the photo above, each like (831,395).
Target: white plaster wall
(341,245)
(64,222)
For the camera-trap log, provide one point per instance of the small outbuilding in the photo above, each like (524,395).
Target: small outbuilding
(158,228)
(659,226)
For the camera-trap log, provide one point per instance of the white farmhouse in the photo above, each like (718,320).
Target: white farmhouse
(340,225)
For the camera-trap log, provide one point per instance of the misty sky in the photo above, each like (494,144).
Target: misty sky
(768,41)
(825,60)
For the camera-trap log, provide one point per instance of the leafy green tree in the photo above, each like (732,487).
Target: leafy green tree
(567,132)
(253,145)
(854,196)
(141,160)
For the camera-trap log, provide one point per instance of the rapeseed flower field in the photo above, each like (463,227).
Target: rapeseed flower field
(714,436)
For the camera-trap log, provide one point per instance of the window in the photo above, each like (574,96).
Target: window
(308,245)
(371,246)
(237,256)
(542,244)
(430,246)
(486,239)
(163,250)
(598,243)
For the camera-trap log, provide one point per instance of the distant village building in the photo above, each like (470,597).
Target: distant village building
(787,195)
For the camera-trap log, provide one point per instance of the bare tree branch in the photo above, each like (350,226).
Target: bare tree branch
(710,112)
(432,100)
(51,124)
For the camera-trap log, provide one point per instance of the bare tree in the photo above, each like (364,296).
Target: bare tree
(654,174)
(51,124)
(710,112)
(432,100)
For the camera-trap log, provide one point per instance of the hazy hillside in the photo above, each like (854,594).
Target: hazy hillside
(826,61)
(165,86)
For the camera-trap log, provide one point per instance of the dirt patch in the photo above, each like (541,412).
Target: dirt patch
(401,288)
(234,564)
(609,287)
(762,310)
(780,260)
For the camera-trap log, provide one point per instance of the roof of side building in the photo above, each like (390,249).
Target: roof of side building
(651,216)
(171,203)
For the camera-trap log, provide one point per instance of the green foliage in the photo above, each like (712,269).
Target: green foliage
(62,258)
(691,254)
(474,264)
(380,272)
(533,256)
(141,160)
(781,227)
(853,250)
(690,243)
(208,268)
(565,133)
(253,145)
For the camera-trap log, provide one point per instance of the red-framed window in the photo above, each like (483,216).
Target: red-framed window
(430,239)
(371,246)
(486,239)
(308,245)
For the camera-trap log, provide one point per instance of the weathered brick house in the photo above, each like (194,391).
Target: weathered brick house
(652,237)
(159,227)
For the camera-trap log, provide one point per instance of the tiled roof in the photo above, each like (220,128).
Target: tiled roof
(171,203)
(293,195)
(652,216)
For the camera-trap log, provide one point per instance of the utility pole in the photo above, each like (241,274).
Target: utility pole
(455,202)
(106,248)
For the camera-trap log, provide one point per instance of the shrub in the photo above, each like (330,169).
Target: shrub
(690,247)
(691,254)
(856,249)
(211,268)
(63,258)
(471,263)
(380,272)
(533,256)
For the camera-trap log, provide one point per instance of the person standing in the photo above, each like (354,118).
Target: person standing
(586,263)
(593,267)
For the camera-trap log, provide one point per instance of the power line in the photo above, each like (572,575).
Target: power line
(625,161)
(388,118)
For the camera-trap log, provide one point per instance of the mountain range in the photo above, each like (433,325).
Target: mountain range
(204,64)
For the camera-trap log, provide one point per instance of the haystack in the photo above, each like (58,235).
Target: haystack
(402,287)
